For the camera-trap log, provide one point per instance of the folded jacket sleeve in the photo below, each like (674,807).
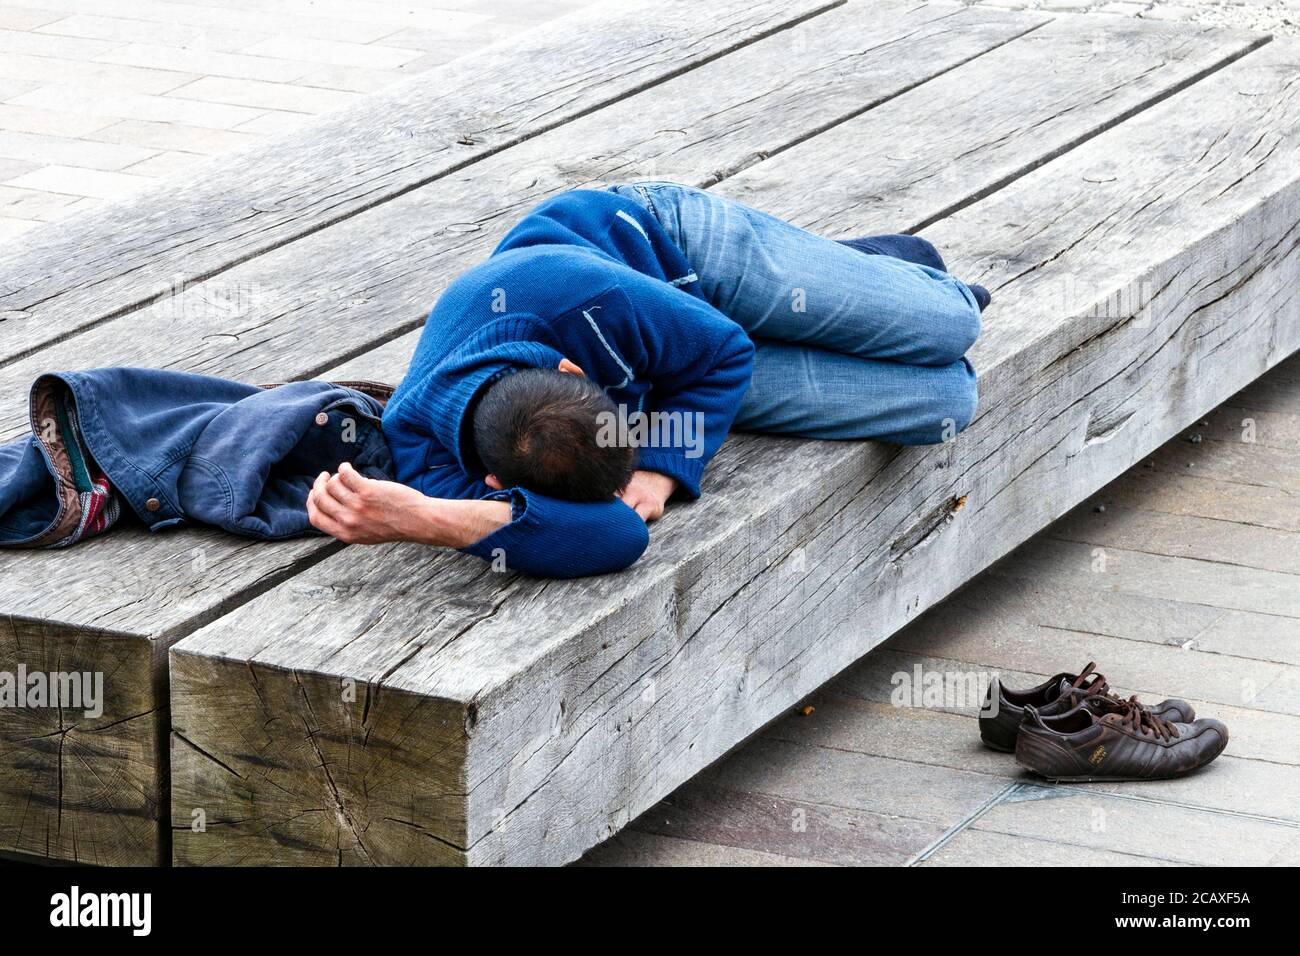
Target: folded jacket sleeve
(546,537)
(704,397)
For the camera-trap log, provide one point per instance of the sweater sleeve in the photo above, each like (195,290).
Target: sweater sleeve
(546,537)
(702,397)
(551,538)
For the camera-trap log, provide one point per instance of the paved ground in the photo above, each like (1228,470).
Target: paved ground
(100,97)
(1182,578)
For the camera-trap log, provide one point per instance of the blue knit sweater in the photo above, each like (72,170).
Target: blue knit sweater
(591,277)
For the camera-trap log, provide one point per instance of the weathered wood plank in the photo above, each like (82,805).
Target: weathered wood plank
(1230,462)
(900,183)
(1175,493)
(93,789)
(1273,394)
(1288,854)
(756,796)
(818,803)
(120,257)
(975,138)
(789,828)
(842,778)
(1232,421)
(151,589)
(581,704)
(90,783)
(281,315)
(879,728)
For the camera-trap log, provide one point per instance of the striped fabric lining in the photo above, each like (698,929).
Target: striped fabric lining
(100,504)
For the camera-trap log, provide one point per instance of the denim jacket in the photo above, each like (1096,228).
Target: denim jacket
(176,447)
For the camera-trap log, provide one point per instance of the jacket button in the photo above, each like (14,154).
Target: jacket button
(322,418)
(153,504)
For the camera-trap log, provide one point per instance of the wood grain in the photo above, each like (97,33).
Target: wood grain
(301,309)
(271,318)
(581,704)
(118,258)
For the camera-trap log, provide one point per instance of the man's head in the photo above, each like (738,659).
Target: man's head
(538,429)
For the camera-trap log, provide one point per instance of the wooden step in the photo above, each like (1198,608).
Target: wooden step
(184,231)
(390,705)
(94,790)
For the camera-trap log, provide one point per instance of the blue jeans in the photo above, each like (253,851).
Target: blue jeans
(848,344)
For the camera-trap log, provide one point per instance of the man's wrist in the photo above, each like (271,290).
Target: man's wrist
(667,483)
(458,523)
(431,526)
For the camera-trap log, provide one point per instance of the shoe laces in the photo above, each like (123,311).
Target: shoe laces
(1092,684)
(1097,685)
(1129,713)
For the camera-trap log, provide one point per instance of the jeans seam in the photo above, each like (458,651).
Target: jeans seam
(649,203)
(691,275)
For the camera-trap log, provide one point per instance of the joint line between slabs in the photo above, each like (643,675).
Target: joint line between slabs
(962,824)
(1225,811)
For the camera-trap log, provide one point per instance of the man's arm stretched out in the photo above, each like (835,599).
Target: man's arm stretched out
(524,530)
(555,500)
(361,510)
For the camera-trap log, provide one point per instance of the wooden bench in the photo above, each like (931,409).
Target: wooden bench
(170,279)
(396,705)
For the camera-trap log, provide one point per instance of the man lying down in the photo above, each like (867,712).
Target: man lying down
(562,392)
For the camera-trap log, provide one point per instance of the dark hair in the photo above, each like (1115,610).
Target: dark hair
(538,429)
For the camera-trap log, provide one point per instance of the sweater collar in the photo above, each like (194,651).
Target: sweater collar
(443,401)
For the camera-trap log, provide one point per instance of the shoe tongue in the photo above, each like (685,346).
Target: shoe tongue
(1065,686)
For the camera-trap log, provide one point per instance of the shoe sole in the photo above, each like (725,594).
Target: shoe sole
(1101,779)
(1109,779)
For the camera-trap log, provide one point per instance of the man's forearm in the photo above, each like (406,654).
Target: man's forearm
(360,510)
(452,523)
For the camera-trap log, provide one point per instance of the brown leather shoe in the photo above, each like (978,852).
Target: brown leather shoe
(1104,738)
(1056,695)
